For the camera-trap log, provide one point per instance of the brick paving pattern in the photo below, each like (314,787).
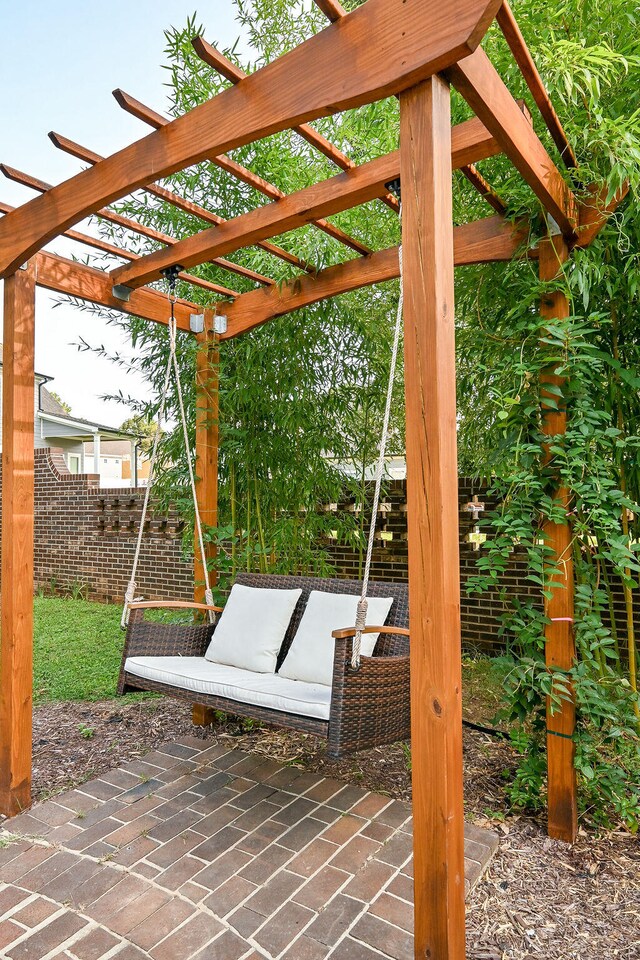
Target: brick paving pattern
(203,852)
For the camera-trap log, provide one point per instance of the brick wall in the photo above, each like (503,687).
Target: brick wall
(479,615)
(85,535)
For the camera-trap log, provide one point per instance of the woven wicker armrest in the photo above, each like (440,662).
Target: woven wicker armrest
(370,705)
(147,638)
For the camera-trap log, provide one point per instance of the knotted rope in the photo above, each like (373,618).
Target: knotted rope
(172,364)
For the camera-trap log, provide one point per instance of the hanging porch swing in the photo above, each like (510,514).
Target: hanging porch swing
(278,652)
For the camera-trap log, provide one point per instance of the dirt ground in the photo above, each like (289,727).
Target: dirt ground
(540,898)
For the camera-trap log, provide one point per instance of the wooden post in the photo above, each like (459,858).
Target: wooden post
(206,462)
(559,648)
(432,499)
(16,656)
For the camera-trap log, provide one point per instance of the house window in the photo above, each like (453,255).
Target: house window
(73,462)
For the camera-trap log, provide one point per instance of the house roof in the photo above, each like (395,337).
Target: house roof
(49,404)
(100,428)
(52,410)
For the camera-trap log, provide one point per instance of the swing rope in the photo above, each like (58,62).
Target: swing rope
(172,365)
(361,614)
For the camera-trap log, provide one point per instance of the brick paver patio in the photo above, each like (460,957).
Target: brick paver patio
(203,852)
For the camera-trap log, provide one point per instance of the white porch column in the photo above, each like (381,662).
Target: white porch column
(96,453)
(134,463)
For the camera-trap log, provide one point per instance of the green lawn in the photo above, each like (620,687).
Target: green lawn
(77,649)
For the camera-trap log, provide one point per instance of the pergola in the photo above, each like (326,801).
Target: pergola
(416,50)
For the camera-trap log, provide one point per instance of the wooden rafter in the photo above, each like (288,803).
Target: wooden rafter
(266,102)
(104,247)
(209,55)
(89,156)
(349,189)
(526,63)
(478,81)
(26,180)
(485,189)
(331,9)
(156,120)
(334,11)
(483,241)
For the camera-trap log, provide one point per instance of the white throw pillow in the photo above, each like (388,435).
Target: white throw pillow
(310,656)
(251,628)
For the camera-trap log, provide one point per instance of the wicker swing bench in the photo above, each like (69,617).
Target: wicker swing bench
(359,710)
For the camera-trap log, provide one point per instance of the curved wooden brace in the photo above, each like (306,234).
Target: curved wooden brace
(366,56)
(483,241)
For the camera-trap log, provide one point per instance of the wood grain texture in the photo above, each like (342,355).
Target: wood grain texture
(344,66)
(522,56)
(77,280)
(480,84)
(352,188)
(207,440)
(206,466)
(209,55)
(240,172)
(16,652)
(483,241)
(432,515)
(559,607)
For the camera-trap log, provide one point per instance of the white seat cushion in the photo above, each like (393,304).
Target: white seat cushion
(220,680)
(310,656)
(251,628)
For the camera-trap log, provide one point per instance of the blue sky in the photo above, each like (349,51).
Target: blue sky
(60,61)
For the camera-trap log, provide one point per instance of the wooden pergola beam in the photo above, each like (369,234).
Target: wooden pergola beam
(187,206)
(344,66)
(16,635)
(26,180)
(322,199)
(104,247)
(485,189)
(86,283)
(346,190)
(484,241)
(213,58)
(480,84)
(522,56)
(156,120)
(334,10)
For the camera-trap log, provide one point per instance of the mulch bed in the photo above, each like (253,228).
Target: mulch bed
(540,898)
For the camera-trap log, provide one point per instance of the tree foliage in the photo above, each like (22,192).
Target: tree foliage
(307,390)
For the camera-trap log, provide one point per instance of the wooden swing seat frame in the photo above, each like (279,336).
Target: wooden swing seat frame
(369,707)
